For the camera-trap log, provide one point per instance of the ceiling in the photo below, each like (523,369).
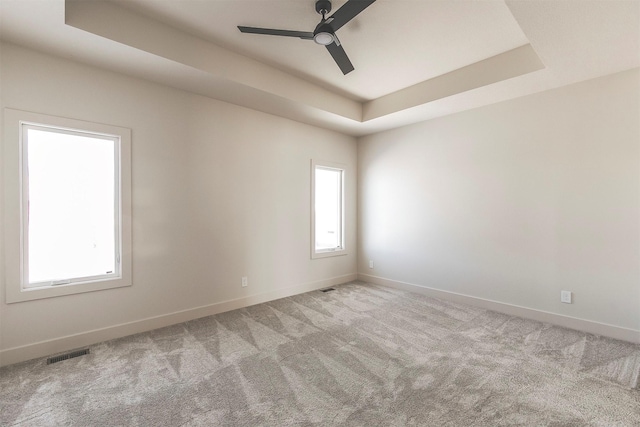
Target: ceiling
(392,43)
(414,59)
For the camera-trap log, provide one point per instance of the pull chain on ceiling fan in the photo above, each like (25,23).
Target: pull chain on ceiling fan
(325,32)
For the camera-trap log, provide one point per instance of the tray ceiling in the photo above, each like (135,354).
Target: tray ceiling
(414,59)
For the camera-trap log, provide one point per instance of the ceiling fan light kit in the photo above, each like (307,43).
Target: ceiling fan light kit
(325,32)
(323,38)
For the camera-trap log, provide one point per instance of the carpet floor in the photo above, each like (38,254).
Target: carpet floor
(361,355)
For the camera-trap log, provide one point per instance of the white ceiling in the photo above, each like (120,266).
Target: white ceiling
(393,44)
(414,59)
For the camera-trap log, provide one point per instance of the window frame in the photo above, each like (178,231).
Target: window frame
(325,253)
(16,198)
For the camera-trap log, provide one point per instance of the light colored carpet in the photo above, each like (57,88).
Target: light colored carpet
(361,355)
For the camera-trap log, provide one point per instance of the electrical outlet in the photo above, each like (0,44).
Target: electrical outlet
(566,297)
(370,263)
(245,281)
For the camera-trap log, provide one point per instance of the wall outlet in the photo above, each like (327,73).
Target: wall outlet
(370,263)
(566,297)
(245,281)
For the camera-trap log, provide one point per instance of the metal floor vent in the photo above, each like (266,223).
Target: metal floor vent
(70,355)
(327,290)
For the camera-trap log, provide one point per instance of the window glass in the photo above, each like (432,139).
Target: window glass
(327,210)
(71,205)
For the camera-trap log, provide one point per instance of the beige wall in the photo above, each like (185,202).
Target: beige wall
(511,202)
(219,192)
(514,202)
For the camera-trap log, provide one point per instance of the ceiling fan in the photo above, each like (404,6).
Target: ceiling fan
(325,32)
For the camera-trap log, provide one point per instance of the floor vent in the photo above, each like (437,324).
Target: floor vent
(327,290)
(71,355)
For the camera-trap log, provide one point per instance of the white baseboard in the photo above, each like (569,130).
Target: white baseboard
(589,326)
(57,345)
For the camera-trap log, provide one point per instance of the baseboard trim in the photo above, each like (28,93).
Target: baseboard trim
(57,345)
(589,326)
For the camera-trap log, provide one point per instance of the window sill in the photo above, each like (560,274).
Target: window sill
(327,254)
(60,290)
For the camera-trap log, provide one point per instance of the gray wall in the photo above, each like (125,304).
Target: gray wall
(514,202)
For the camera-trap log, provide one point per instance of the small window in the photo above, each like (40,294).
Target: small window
(71,201)
(327,210)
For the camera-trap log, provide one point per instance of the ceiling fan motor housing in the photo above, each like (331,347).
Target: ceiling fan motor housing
(323,7)
(323,34)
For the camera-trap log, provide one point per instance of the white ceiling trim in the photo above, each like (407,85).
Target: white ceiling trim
(514,63)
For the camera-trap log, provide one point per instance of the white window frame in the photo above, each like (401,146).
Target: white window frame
(16,190)
(324,253)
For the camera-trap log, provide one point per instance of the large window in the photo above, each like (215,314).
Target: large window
(73,204)
(327,209)
(71,214)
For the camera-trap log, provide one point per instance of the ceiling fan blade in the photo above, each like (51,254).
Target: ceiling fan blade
(341,58)
(270,32)
(348,11)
